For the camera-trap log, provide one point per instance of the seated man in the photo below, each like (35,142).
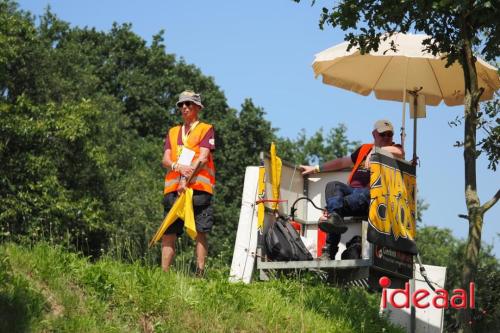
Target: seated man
(351,199)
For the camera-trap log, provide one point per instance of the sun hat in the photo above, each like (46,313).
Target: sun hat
(189,96)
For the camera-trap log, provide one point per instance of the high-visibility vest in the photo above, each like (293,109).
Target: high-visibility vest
(204,180)
(363,152)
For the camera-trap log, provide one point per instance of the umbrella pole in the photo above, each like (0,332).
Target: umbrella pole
(415,135)
(415,116)
(403,120)
(415,105)
(403,134)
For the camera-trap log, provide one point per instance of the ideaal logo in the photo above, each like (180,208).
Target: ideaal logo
(419,298)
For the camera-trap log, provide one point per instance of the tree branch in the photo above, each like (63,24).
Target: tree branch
(487,205)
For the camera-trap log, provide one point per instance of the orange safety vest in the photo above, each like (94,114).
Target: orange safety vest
(363,152)
(204,180)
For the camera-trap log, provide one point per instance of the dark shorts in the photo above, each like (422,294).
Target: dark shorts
(203,212)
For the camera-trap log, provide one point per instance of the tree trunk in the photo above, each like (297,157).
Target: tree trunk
(475,213)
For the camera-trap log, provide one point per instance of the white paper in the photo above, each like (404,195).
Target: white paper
(186,156)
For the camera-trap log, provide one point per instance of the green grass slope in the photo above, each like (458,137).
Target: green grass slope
(46,289)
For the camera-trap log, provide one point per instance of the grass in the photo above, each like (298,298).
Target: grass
(46,288)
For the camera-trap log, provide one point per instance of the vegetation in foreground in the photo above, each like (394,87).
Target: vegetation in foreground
(45,288)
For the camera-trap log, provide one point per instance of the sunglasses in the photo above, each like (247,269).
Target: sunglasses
(181,104)
(386,134)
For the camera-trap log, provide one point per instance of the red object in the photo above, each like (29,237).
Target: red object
(270,200)
(384,282)
(365,149)
(321,242)
(296,225)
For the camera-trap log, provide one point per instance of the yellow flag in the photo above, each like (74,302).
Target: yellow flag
(275,175)
(261,193)
(183,209)
(188,215)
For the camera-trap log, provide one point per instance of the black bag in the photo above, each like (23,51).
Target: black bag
(353,249)
(283,243)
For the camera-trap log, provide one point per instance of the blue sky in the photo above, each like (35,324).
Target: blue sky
(264,49)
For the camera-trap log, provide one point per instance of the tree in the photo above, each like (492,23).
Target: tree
(318,148)
(240,137)
(438,247)
(457,29)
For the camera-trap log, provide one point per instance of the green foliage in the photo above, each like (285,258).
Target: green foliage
(240,137)
(111,296)
(489,123)
(98,279)
(422,206)
(439,247)
(48,150)
(318,148)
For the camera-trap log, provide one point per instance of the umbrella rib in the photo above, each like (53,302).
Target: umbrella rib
(435,77)
(381,73)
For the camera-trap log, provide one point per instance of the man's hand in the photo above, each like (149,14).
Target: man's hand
(324,216)
(308,169)
(182,185)
(185,170)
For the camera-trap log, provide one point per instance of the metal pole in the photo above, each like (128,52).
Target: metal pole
(414,93)
(413,313)
(403,134)
(415,105)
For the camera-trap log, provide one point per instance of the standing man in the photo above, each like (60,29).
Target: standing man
(186,145)
(351,199)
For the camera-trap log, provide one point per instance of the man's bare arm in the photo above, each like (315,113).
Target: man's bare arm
(166,162)
(333,165)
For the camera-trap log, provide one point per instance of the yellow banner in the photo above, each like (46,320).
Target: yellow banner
(392,207)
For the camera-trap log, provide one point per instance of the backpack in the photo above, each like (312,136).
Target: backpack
(283,243)
(353,249)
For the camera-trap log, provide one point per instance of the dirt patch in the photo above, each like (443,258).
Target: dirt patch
(56,309)
(146,325)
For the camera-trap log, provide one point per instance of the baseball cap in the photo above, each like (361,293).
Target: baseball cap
(383,126)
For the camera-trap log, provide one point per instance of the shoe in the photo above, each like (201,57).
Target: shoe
(200,273)
(328,252)
(332,224)
(325,252)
